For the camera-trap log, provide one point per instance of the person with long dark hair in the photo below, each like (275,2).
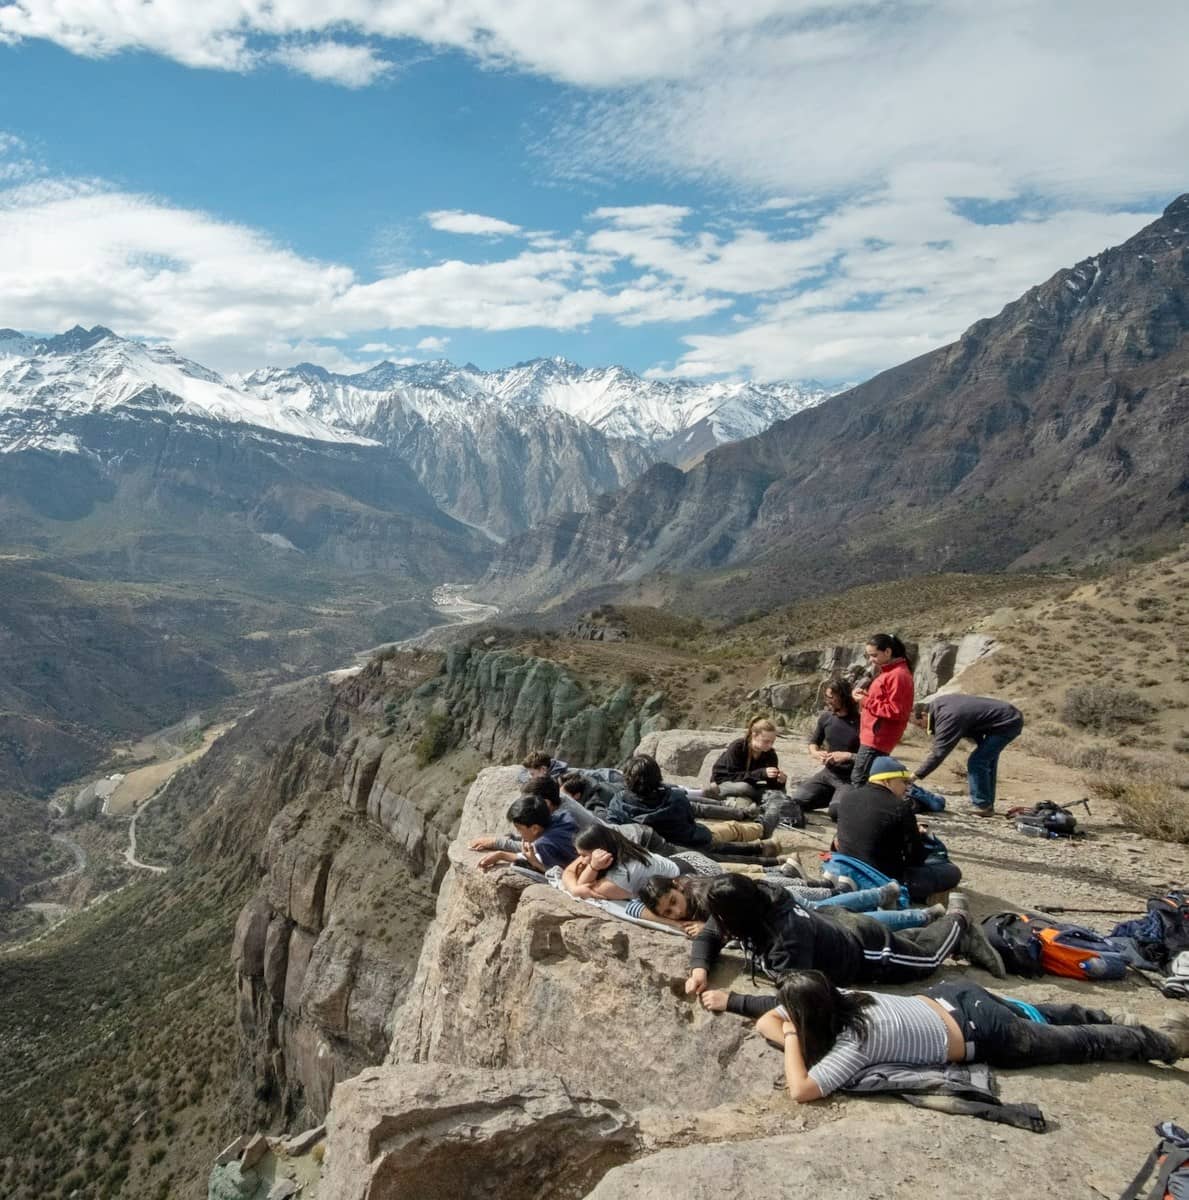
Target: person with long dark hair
(833,745)
(886,703)
(779,935)
(609,867)
(830,1036)
(681,899)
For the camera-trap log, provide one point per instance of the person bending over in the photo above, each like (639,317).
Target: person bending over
(680,899)
(647,800)
(877,824)
(833,745)
(886,704)
(546,838)
(990,724)
(779,935)
(831,1037)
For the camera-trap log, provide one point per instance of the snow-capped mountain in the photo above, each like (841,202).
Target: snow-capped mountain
(613,400)
(498,450)
(45,381)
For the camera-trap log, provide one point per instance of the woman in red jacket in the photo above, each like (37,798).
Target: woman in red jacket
(886,703)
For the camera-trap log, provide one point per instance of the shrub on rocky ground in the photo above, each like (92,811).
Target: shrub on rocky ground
(1148,801)
(1104,708)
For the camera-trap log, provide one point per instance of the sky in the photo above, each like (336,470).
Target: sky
(768,189)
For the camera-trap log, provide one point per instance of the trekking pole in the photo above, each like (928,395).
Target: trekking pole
(1104,912)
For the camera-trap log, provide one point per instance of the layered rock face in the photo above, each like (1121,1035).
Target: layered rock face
(435,1132)
(510,957)
(1055,428)
(329,945)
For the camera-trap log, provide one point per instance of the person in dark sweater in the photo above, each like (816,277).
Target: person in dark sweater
(546,838)
(647,800)
(749,769)
(833,744)
(779,935)
(877,825)
(594,794)
(990,724)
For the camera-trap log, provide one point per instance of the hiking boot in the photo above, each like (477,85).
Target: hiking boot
(982,810)
(977,951)
(889,895)
(934,912)
(1176,1029)
(790,870)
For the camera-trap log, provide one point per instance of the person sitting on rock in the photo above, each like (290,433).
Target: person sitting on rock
(546,838)
(780,935)
(877,826)
(833,745)
(647,800)
(830,1037)
(885,704)
(749,769)
(990,724)
(680,899)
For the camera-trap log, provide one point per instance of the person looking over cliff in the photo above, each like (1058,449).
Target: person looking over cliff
(749,769)
(886,704)
(546,838)
(877,825)
(990,724)
(647,800)
(681,899)
(779,935)
(833,745)
(830,1037)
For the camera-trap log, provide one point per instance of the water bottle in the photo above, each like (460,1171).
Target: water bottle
(1030,830)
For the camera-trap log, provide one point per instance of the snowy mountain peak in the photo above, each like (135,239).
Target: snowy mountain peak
(47,382)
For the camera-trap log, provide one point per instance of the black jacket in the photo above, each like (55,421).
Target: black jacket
(792,938)
(669,814)
(733,766)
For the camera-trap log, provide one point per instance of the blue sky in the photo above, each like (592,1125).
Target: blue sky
(768,188)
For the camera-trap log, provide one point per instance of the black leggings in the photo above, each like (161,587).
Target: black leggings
(1001,1037)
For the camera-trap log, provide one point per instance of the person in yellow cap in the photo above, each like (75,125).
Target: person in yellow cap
(877,825)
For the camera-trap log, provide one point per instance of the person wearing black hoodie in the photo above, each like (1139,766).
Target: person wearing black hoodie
(647,800)
(779,935)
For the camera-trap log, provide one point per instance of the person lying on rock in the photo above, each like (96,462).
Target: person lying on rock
(546,838)
(678,898)
(990,724)
(878,826)
(647,800)
(780,935)
(594,795)
(538,763)
(749,769)
(830,1036)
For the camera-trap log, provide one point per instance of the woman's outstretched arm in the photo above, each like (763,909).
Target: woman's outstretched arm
(801,1087)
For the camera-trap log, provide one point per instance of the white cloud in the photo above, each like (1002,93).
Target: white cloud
(353,66)
(453,221)
(229,296)
(380,348)
(433,344)
(661,217)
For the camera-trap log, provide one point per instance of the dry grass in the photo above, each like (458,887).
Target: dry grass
(1148,801)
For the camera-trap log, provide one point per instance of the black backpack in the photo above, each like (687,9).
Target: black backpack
(1046,819)
(1014,936)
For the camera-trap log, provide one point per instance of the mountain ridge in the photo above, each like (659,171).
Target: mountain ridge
(1052,431)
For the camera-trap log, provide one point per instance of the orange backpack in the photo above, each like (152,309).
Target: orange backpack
(1078,953)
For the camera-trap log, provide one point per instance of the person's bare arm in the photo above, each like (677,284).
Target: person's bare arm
(801,1087)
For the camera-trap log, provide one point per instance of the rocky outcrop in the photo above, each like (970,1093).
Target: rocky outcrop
(939,662)
(503,935)
(328,946)
(445,1132)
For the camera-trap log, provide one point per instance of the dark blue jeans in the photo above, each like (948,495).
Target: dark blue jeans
(1072,1034)
(982,768)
